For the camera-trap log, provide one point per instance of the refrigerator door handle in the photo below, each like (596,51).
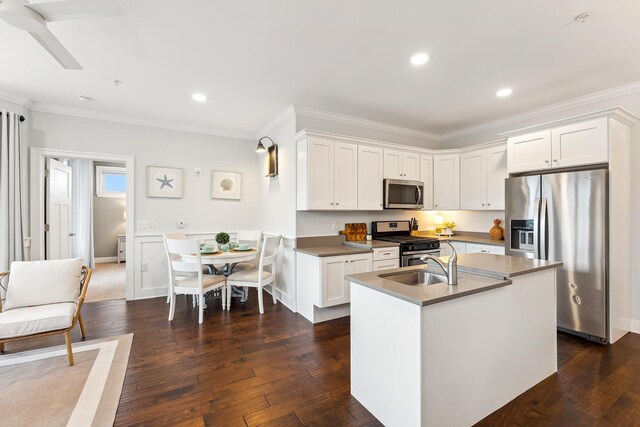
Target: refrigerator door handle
(543,230)
(536,230)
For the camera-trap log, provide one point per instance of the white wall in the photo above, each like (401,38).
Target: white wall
(161,147)
(630,102)
(277,206)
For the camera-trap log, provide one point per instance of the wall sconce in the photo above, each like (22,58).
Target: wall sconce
(272,156)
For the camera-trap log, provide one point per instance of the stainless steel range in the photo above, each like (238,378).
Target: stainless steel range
(411,247)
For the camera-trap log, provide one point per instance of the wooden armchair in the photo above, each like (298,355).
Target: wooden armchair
(43,298)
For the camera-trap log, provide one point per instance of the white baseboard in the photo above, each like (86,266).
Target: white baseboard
(635,326)
(106,259)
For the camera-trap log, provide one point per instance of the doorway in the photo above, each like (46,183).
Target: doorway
(93,226)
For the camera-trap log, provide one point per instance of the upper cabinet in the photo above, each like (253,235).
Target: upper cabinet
(400,164)
(370,177)
(426,176)
(327,175)
(446,182)
(576,144)
(482,175)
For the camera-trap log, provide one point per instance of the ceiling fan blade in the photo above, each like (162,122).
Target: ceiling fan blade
(75,9)
(48,41)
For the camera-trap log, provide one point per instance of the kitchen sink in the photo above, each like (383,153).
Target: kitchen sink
(415,277)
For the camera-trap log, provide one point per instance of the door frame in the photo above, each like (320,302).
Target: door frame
(37,164)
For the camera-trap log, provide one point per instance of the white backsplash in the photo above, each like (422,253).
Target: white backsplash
(322,223)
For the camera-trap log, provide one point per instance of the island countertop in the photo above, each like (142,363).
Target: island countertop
(476,273)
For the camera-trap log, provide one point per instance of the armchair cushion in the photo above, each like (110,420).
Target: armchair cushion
(32,320)
(43,282)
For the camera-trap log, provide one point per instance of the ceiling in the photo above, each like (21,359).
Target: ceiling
(253,58)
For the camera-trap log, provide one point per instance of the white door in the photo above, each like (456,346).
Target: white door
(370,177)
(580,144)
(57,210)
(446,182)
(345,176)
(320,173)
(393,164)
(426,176)
(411,166)
(334,290)
(473,180)
(496,174)
(529,152)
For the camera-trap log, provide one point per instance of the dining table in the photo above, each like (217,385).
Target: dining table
(225,261)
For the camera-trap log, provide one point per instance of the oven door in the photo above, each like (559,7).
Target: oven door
(399,194)
(413,258)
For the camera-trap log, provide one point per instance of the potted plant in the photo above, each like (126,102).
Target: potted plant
(222,238)
(449,226)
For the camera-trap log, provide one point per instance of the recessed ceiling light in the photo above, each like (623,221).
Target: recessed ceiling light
(83,98)
(419,59)
(504,92)
(200,97)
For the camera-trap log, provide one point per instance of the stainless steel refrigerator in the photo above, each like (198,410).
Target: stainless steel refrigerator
(563,217)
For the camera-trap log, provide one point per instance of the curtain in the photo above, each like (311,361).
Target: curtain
(82,210)
(11,233)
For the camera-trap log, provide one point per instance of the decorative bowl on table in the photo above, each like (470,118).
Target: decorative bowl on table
(243,247)
(208,249)
(232,245)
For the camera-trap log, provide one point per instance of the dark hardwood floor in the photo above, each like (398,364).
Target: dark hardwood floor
(243,369)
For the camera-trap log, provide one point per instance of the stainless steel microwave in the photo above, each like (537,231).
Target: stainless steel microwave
(401,194)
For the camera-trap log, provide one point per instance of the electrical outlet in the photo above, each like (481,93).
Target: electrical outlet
(144,224)
(197,172)
(335,225)
(181,223)
(145,267)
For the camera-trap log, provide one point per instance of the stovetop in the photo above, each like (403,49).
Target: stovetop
(406,239)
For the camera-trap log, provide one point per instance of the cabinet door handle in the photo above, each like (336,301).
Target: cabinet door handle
(386,253)
(546,161)
(483,204)
(555,160)
(337,204)
(331,203)
(488,204)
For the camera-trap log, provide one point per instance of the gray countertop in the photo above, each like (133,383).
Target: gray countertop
(422,295)
(502,266)
(372,244)
(337,250)
(476,273)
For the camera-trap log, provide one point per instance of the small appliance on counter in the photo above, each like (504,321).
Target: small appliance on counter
(411,247)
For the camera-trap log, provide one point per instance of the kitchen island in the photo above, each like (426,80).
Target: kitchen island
(444,355)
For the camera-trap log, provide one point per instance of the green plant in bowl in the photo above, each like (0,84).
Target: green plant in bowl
(222,238)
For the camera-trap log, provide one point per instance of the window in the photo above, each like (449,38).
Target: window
(111,181)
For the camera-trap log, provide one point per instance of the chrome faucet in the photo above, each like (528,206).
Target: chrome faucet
(451,269)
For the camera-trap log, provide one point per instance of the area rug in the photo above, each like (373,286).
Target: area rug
(39,388)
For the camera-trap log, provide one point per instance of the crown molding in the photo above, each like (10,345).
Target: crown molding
(617,113)
(132,120)
(25,102)
(364,123)
(285,115)
(559,107)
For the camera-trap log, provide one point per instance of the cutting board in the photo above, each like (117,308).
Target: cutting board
(355,231)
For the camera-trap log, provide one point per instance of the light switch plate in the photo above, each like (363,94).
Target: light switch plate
(197,172)
(144,224)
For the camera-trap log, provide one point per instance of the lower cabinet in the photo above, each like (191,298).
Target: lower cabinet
(470,248)
(334,289)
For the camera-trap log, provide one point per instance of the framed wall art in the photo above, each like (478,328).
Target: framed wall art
(164,182)
(226,185)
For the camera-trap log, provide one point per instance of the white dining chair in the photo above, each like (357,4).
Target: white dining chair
(253,238)
(192,281)
(179,236)
(258,277)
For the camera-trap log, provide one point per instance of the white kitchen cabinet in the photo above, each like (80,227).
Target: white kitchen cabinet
(334,289)
(576,144)
(446,182)
(370,178)
(580,143)
(401,165)
(327,175)
(460,247)
(496,174)
(345,176)
(482,175)
(529,152)
(473,180)
(486,249)
(426,176)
